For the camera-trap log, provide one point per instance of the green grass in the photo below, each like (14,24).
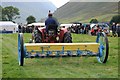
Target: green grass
(0,56)
(78,67)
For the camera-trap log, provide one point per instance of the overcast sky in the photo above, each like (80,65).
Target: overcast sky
(59,3)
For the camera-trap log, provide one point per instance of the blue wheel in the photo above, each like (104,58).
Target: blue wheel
(103,48)
(20,49)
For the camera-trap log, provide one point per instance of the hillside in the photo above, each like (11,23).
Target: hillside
(85,11)
(37,9)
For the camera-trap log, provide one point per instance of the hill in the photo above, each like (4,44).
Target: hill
(85,11)
(38,9)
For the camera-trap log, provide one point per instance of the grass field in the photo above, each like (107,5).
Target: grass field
(79,67)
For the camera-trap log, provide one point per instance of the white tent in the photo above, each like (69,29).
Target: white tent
(8,27)
(66,25)
(37,24)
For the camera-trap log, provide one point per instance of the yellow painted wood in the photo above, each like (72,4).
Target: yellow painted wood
(59,46)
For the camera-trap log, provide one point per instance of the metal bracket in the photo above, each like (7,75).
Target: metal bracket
(79,52)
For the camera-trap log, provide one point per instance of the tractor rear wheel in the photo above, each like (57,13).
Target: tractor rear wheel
(38,38)
(67,38)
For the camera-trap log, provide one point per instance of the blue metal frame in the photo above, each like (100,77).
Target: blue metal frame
(48,52)
(25,50)
(69,53)
(57,53)
(79,52)
(62,52)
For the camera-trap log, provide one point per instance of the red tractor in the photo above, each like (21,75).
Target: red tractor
(52,36)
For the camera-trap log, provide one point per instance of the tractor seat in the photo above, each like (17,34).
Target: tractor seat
(52,27)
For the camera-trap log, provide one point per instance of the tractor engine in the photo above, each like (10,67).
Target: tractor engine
(51,36)
(51,32)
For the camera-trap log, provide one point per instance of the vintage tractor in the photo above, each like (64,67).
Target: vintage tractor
(52,35)
(59,44)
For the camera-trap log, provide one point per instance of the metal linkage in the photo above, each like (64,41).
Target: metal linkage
(63,53)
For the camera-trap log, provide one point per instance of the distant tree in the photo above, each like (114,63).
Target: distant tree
(0,13)
(115,19)
(10,13)
(94,21)
(30,19)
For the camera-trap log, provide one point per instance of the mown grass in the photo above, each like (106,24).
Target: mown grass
(0,56)
(78,67)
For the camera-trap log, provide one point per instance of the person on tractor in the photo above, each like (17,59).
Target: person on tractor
(51,23)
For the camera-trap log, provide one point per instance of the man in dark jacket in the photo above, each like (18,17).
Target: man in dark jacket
(114,29)
(118,29)
(51,23)
(19,28)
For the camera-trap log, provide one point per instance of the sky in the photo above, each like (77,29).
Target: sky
(59,3)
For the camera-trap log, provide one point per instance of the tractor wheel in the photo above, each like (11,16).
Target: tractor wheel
(103,48)
(20,49)
(38,38)
(67,38)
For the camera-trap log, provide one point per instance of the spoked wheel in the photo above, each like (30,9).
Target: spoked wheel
(67,38)
(38,38)
(20,49)
(103,48)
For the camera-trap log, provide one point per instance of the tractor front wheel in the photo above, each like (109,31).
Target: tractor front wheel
(38,38)
(67,38)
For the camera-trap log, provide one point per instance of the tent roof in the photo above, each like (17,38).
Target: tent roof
(7,23)
(36,24)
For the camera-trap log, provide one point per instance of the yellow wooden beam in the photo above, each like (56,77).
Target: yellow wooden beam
(59,46)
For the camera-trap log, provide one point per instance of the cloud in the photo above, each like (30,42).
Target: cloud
(94,0)
(59,3)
